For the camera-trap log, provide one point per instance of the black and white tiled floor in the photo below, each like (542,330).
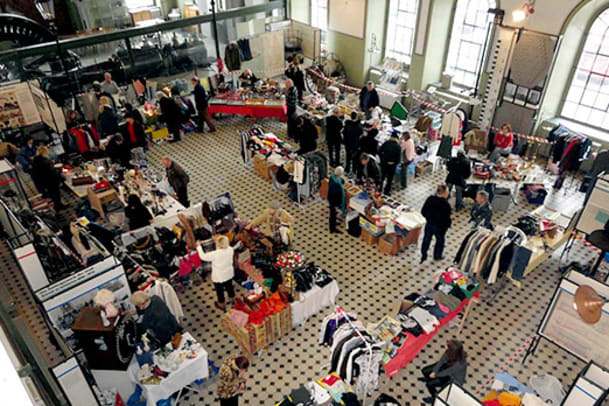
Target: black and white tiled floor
(371,283)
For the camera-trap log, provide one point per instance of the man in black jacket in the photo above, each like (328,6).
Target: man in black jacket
(368,99)
(436,211)
(390,154)
(202,105)
(369,171)
(459,169)
(334,128)
(307,135)
(178,179)
(171,115)
(368,143)
(291,102)
(351,135)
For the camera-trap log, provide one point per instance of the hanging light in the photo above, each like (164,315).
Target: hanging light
(525,10)
(46,8)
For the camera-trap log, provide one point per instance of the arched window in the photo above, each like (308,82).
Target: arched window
(588,97)
(466,48)
(401,27)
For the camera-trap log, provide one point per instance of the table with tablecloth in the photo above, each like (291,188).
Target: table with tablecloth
(312,301)
(413,345)
(190,370)
(274,109)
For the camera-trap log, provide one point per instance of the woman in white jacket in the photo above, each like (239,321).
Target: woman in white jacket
(222,269)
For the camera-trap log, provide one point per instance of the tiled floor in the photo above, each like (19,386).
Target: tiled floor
(371,283)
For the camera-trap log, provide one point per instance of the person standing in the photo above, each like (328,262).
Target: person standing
(232,379)
(390,154)
(482,213)
(436,211)
(25,159)
(47,176)
(307,135)
(368,170)
(368,143)
(178,179)
(352,133)
(109,86)
(137,214)
(118,151)
(334,128)
(504,142)
(291,102)
(459,169)
(336,197)
(222,269)
(134,132)
(368,99)
(299,76)
(452,367)
(409,153)
(107,119)
(154,317)
(135,113)
(202,105)
(171,115)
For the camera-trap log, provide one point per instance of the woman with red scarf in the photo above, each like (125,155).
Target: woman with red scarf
(504,142)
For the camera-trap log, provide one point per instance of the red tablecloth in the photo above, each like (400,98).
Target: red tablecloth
(413,344)
(280,112)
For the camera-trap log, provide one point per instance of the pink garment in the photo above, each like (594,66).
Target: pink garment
(443,308)
(451,276)
(409,149)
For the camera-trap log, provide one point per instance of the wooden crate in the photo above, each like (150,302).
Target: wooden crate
(285,320)
(368,237)
(389,244)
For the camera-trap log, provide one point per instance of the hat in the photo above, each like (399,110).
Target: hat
(275,205)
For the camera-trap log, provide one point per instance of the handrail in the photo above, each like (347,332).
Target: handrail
(71,43)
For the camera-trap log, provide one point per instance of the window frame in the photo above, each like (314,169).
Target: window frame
(478,68)
(590,72)
(311,7)
(386,49)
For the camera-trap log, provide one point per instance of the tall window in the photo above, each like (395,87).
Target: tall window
(466,48)
(588,96)
(319,14)
(401,26)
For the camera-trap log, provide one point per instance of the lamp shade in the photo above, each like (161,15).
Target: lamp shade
(589,304)
(46,8)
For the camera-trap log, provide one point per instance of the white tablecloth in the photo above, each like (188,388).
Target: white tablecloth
(189,371)
(313,301)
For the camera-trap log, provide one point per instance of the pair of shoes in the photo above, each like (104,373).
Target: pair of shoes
(422,379)
(423,259)
(428,399)
(172,140)
(220,306)
(438,259)
(335,231)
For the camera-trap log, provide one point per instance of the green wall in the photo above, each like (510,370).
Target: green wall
(427,68)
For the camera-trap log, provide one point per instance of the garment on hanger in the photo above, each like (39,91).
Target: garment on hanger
(451,125)
(232,57)
(246,51)
(163,289)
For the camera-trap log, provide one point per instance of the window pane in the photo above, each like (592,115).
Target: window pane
(400,32)
(588,96)
(467,39)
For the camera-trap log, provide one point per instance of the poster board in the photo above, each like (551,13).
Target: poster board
(64,308)
(310,39)
(17,107)
(563,326)
(596,208)
(347,17)
(73,383)
(50,113)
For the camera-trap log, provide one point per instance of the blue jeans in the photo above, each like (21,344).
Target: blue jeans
(433,231)
(458,197)
(520,261)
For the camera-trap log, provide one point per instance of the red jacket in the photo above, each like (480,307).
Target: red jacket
(504,141)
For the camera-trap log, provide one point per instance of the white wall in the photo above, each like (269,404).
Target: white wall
(548,18)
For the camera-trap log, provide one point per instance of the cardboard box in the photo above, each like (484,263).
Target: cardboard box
(389,244)
(157,134)
(424,167)
(285,320)
(369,238)
(370,227)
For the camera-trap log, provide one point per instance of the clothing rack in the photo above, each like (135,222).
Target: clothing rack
(338,310)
